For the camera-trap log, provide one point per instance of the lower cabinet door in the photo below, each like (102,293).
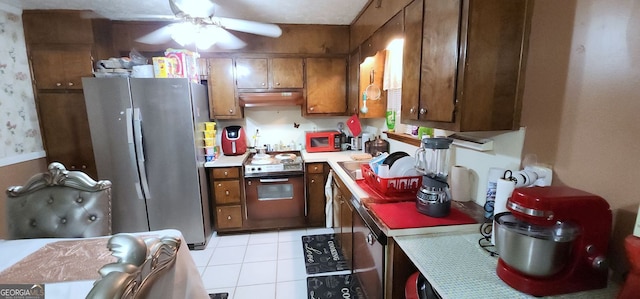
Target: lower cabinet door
(229,217)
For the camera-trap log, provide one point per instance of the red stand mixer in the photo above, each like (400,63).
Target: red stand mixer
(553,241)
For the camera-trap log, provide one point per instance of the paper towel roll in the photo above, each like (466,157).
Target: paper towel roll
(460,183)
(503,192)
(504,189)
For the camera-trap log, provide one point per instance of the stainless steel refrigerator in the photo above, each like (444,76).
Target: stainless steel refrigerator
(145,141)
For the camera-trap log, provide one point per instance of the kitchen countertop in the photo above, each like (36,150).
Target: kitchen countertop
(457,267)
(332,158)
(227,161)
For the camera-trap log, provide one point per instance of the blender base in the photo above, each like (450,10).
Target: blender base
(434,209)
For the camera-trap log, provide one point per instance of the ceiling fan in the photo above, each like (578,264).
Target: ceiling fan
(199,25)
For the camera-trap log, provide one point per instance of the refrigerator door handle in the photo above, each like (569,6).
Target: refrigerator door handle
(132,150)
(137,128)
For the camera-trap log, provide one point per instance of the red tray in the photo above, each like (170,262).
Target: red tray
(391,186)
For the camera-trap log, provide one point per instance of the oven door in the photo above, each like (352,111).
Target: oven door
(275,197)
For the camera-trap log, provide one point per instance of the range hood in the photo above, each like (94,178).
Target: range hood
(264,99)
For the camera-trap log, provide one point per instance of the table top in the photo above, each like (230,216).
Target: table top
(185,277)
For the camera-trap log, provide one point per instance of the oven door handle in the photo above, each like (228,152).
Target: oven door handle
(273,180)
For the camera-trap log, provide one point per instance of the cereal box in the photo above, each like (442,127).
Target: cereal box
(187,63)
(164,67)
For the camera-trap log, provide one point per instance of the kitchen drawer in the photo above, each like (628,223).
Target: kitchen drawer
(226,173)
(227,191)
(315,168)
(229,217)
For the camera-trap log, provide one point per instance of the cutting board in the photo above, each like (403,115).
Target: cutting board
(354,125)
(400,215)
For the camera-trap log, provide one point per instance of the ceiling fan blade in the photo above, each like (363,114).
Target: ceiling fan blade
(212,34)
(157,37)
(270,30)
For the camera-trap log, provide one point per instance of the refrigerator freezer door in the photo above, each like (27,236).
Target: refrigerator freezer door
(110,120)
(167,123)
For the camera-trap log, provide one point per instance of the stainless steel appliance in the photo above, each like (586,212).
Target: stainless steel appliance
(369,251)
(274,188)
(432,160)
(144,140)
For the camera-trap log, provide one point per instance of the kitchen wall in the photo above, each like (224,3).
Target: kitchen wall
(581,104)
(21,150)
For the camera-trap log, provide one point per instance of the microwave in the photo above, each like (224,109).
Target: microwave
(323,141)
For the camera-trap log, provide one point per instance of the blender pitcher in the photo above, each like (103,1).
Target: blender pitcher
(432,161)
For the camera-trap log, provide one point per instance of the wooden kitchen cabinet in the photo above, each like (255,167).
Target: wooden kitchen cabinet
(354,94)
(61,68)
(269,73)
(326,86)
(371,76)
(65,129)
(57,27)
(343,218)
(62,47)
(227,202)
(228,217)
(316,179)
(223,101)
(469,74)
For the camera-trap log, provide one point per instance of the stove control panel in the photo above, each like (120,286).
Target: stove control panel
(263,168)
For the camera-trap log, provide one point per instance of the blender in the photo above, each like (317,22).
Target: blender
(432,161)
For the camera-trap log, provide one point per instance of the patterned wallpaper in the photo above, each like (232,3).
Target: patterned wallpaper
(19,129)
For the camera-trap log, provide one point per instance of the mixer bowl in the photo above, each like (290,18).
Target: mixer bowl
(533,250)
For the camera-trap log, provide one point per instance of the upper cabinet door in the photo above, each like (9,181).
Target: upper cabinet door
(61,68)
(287,73)
(411,60)
(440,44)
(252,73)
(222,95)
(57,27)
(326,86)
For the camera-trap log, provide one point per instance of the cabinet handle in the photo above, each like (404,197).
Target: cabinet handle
(70,83)
(73,167)
(226,173)
(226,192)
(229,217)
(263,84)
(370,239)
(58,84)
(412,110)
(315,168)
(230,111)
(219,185)
(313,181)
(277,83)
(84,166)
(310,108)
(423,111)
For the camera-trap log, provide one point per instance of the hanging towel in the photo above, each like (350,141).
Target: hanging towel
(392,76)
(328,193)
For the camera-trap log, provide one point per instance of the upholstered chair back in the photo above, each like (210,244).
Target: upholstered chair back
(59,204)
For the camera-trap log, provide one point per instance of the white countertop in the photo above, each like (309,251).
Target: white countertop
(227,161)
(457,267)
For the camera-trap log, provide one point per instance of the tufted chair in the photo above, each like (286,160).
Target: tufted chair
(59,204)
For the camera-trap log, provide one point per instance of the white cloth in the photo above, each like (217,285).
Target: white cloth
(392,77)
(328,193)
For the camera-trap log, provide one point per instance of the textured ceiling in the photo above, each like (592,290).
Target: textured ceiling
(338,12)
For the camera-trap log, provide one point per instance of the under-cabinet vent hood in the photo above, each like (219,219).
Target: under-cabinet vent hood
(264,99)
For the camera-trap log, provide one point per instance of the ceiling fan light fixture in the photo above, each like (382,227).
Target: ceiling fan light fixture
(183,33)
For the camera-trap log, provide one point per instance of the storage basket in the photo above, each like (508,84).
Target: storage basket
(391,186)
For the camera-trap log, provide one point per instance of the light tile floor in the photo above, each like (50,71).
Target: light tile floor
(266,265)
